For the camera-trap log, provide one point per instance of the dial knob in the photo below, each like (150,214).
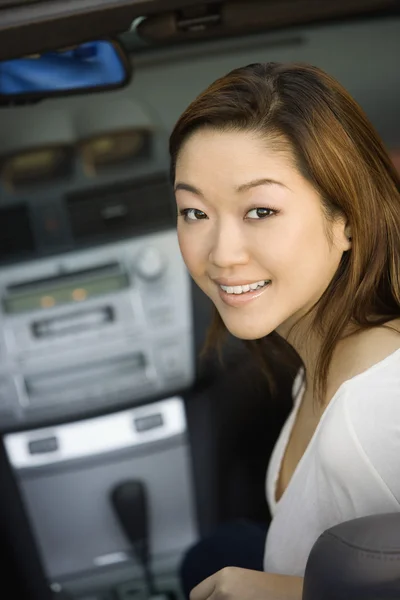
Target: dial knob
(150,263)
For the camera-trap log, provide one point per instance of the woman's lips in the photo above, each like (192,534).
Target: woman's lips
(240,299)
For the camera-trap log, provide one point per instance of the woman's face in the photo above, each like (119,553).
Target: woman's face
(252,232)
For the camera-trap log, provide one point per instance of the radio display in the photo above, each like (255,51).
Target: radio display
(43,297)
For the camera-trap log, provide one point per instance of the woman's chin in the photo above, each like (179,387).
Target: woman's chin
(246,331)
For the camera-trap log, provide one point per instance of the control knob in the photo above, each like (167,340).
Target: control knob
(150,264)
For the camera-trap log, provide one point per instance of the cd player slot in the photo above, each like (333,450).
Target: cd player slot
(78,322)
(32,285)
(67,288)
(86,375)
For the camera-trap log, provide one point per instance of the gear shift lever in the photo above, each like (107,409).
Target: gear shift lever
(130,503)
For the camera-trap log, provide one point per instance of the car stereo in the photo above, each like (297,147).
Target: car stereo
(98,315)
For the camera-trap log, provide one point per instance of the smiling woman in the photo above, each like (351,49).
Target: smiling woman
(289,220)
(297,126)
(245,229)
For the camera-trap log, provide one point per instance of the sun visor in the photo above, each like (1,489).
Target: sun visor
(31,26)
(241,17)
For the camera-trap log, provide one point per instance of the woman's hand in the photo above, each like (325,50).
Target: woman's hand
(233,583)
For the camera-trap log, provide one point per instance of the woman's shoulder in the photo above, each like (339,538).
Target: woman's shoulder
(371,405)
(365,357)
(367,398)
(368,353)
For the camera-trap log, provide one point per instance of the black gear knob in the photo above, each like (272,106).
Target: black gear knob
(129,499)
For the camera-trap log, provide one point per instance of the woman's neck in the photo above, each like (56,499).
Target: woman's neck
(308,341)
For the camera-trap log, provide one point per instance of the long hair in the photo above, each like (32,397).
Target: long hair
(338,151)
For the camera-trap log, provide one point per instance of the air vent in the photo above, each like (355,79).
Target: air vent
(122,209)
(16,237)
(109,150)
(36,166)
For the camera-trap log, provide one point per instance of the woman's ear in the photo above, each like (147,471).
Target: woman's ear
(343,234)
(348,235)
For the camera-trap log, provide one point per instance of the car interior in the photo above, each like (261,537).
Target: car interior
(122,442)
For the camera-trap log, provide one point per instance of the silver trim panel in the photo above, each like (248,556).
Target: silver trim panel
(97,436)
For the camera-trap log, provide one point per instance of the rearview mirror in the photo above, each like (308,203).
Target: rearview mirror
(89,67)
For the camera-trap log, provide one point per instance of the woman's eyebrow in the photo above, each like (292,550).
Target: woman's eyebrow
(188,188)
(244,187)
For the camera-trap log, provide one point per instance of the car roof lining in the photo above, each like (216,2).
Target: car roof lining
(41,25)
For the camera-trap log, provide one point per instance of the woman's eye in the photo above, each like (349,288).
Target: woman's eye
(260,213)
(192,214)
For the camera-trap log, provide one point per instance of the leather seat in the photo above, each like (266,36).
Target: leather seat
(356,560)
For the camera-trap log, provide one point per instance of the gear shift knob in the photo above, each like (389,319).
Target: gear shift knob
(130,503)
(129,499)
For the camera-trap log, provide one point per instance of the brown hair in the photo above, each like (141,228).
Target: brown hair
(338,151)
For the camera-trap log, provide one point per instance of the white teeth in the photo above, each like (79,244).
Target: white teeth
(243,289)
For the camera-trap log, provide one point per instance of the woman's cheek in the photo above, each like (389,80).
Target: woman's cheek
(182,244)
(187,245)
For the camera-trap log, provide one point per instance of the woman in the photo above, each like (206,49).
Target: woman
(289,220)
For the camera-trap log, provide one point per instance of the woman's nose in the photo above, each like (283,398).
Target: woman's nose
(228,248)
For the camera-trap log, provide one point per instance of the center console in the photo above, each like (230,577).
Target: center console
(100,325)
(96,345)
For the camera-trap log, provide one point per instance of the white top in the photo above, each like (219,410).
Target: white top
(350,469)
